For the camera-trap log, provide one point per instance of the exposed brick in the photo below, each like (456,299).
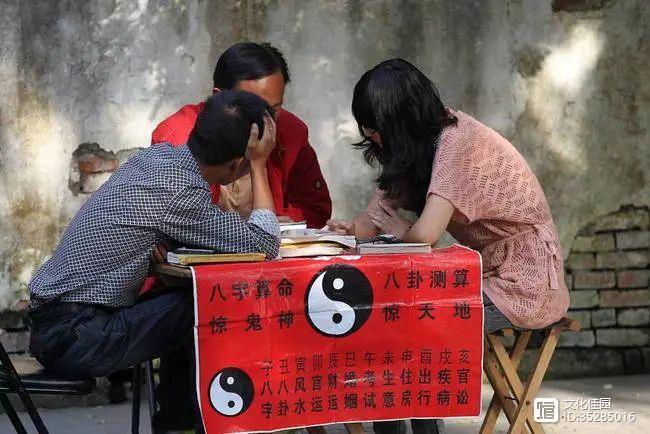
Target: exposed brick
(627,218)
(91,158)
(93,164)
(583,299)
(633,361)
(646,358)
(603,317)
(627,298)
(634,317)
(633,240)
(581,261)
(582,338)
(633,278)
(622,259)
(576,5)
(622,337)
(15,341)
(582,316)
(594,243)
(594,279)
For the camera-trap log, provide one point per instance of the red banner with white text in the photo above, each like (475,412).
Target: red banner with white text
(302,342)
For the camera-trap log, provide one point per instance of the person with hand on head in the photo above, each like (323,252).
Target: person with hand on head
(457,175)
(85,318)
(297,184)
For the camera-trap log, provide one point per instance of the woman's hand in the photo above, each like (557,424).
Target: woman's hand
(388,221)
(341,226)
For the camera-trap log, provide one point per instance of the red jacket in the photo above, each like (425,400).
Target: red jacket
(297,184)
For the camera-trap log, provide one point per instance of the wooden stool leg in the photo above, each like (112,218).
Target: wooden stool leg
(535,381)
(355,428)
(499,384)
(489,422)
(512,377)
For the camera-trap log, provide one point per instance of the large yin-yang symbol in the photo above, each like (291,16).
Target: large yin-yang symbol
(231,392)
(338,300)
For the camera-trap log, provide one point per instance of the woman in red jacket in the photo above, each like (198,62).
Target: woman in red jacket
(297,184)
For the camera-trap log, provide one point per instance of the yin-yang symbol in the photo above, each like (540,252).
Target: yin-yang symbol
(231,392)
(338,301)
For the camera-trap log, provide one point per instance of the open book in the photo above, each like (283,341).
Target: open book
(301,236)
(314,242)
(183,256)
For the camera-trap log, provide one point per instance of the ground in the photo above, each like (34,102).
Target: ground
(628,394)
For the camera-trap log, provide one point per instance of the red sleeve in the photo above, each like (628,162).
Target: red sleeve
(163,133)
(307,197)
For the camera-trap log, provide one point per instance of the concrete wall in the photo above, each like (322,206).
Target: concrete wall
(567,84)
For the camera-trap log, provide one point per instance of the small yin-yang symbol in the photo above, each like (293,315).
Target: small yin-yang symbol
(231,392)
(338,301)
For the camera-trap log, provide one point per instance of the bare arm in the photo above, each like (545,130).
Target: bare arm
(432,222)
(428,228)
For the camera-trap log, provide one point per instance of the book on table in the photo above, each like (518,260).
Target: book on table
(393,248)
(314,242)
(310,249)
(185,256)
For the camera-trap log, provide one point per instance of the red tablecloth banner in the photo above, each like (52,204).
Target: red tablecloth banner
(302,342)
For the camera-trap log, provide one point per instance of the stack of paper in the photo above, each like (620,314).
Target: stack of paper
(314,242)
(185,256)
(288,226)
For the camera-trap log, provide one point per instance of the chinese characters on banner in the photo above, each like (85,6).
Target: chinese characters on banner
(304,342)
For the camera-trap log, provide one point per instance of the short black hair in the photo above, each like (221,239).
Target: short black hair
(248,61)
(221,131)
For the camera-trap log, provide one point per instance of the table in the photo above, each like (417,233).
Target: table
(254,318)
(177,276)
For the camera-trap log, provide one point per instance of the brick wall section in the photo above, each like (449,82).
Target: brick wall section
(607,274)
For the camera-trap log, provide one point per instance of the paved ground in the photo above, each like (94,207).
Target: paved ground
(627,394)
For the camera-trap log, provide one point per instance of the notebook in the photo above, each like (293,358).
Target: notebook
(389,248)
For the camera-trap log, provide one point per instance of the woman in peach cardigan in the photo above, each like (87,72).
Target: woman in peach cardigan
(458,175)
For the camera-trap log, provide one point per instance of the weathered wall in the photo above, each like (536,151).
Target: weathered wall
(569,88)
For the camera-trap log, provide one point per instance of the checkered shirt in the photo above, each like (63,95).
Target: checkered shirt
(156,196)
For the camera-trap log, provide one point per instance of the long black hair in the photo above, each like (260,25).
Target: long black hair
(399,102)
(248,61)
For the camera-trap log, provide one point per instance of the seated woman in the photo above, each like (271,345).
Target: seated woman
(458,175)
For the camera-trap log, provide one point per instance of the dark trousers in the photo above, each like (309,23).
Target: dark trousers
(78,340)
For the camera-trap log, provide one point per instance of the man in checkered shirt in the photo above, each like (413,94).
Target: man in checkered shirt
(84,315)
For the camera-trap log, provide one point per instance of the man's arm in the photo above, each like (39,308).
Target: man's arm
(192,220)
